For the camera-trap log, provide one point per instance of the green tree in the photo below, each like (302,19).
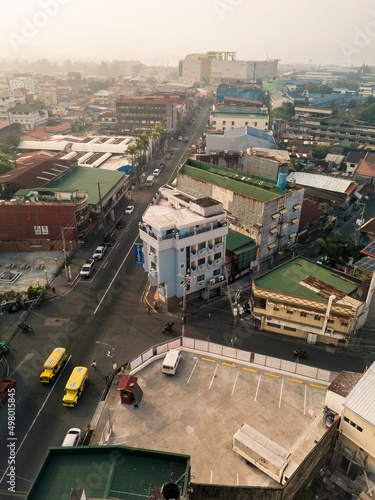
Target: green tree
(337,250)
(285,111)
(321,152)
(5,164)
(9,143)
(367,114)
(320,89)
(368,101)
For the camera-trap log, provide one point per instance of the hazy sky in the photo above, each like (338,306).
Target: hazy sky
(164,31)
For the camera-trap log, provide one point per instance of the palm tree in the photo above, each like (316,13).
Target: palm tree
(338,249)
(132,151)
(142,142)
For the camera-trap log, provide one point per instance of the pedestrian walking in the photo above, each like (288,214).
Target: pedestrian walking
(53,289)
(148,310)
(106,378)
(93,364)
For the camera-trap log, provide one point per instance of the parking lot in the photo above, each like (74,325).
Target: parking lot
(198,410)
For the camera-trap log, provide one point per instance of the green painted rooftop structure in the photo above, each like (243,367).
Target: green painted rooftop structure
(252,186)
(87,179)
(290,278)
(109,472)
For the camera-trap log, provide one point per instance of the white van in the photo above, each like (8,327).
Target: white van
(150,180)
(171,361)
(87,268)
(72,437)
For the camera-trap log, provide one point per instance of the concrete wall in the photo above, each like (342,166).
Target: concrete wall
(35,246)
(363,439)
(263,167)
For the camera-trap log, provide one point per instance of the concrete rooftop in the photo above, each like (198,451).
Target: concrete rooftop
(197,411)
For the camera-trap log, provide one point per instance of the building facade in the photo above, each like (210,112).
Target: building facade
(28,116)
(230,117)
(183,245)
(22,82)
(267,214)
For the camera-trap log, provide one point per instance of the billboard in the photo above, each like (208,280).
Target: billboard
(138,255)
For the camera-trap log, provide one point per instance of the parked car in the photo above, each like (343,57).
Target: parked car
(121,223)
(180,138)
(108,240)
(186,139)
(99,253)
(156,172)
(168,156)
(87,268)
(161,165)
(5,386)
(129,210)
(73,437)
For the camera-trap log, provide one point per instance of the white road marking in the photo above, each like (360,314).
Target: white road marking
(28,356)
(238,479)
(235,382)
(213,376)
(36,418)
(256,394)
(115,276)
(117,244)
(188,380)
(211,477)
(281,391)
(105,264)
(304,402)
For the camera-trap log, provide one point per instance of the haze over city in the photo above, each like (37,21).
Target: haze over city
(163,32)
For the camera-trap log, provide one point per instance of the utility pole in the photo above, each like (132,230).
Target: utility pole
(186,284)
(64,250)
(101,208)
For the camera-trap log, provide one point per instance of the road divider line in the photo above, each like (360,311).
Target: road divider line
(211,360)
(229,364)
(250,370)
(318,386)
(272,375)
(36,418)
(293,380)
(115,276)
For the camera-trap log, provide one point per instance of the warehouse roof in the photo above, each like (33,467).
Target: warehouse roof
(87,179)
(252,186)
(304,278)
(325,182)
(361,399)
(125,472)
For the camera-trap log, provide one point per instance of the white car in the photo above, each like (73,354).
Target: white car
(73,437)
(87,268)
(99,253)
(156,172)
(130,209)
(180,138)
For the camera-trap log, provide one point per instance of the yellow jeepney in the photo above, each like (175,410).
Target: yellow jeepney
(54,362)
(75,385)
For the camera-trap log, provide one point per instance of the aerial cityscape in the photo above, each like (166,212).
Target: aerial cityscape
(187,251)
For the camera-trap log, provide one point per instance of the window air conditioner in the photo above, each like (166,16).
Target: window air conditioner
(221,278)
(212,282)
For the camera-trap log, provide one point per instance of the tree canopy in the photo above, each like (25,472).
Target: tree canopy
(321,152)
(337,249)
(367,114)
(285,111)
(5,164)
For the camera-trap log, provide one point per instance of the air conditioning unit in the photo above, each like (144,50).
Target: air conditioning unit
(212,282)
(221,278)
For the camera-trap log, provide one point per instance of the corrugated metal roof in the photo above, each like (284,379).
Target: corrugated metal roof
(236,240)
(254,187)
(361,399)
(322,182)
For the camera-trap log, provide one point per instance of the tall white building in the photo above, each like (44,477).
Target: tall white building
(22,82)
(28,116)
(8,102)
(183,236)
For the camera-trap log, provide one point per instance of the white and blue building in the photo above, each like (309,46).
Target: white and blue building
(184,241)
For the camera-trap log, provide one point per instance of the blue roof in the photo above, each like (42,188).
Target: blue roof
(328,98)
(250,131)
(65,104)
(238,93)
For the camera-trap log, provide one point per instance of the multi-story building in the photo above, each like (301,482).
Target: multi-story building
(229,117)
(268,163)
(28,116)
(22,82)
(137,114)
(275,98)
(255,205)
(8,102)
(220,66)
(310,301)
(183,240)
(108,123)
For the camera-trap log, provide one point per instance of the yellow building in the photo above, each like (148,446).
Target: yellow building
(310,301)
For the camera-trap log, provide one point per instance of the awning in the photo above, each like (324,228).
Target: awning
(283,211)
(274,230)
(276,215)
(271,246)
(294,221)
(292,235)
(296,207)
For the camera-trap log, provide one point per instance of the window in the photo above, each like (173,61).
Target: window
(201,261)
(346,420)
(152,250)
(289,312)
(201,245)
(290,329)
(217,255)
(216,272)
(344,323)
(218,240)
(352,424)
(274,325)
(330,321)
(276,309)
(224,122)
(182,250)
(255,124)
(359,428)
(303,315)
(182,266)
(317,318)
(232,123)
(200,278)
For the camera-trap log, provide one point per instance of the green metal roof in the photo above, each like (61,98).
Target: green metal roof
(237,115)
(236,240)
(287,279)
(252,186)
(116,472)
(86,179)
(23,108)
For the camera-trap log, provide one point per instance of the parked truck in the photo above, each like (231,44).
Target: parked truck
(265,454)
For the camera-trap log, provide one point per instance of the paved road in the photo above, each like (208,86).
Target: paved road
(107,308)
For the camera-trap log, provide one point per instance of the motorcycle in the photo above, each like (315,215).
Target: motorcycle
(25,327)
(299,353)
(4,347)
(168,327)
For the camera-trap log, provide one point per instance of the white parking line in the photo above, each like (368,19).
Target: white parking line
(256,394)
(211,477)
(37,415)
(281,391)
(192,371)
(304,402)
(235,382)
(238,479)
(213,376)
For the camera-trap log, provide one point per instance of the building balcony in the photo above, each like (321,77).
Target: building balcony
(153,257)
(218,246)
(202,252)
(153,273)
(201,285)
(218,262)
(202,267)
